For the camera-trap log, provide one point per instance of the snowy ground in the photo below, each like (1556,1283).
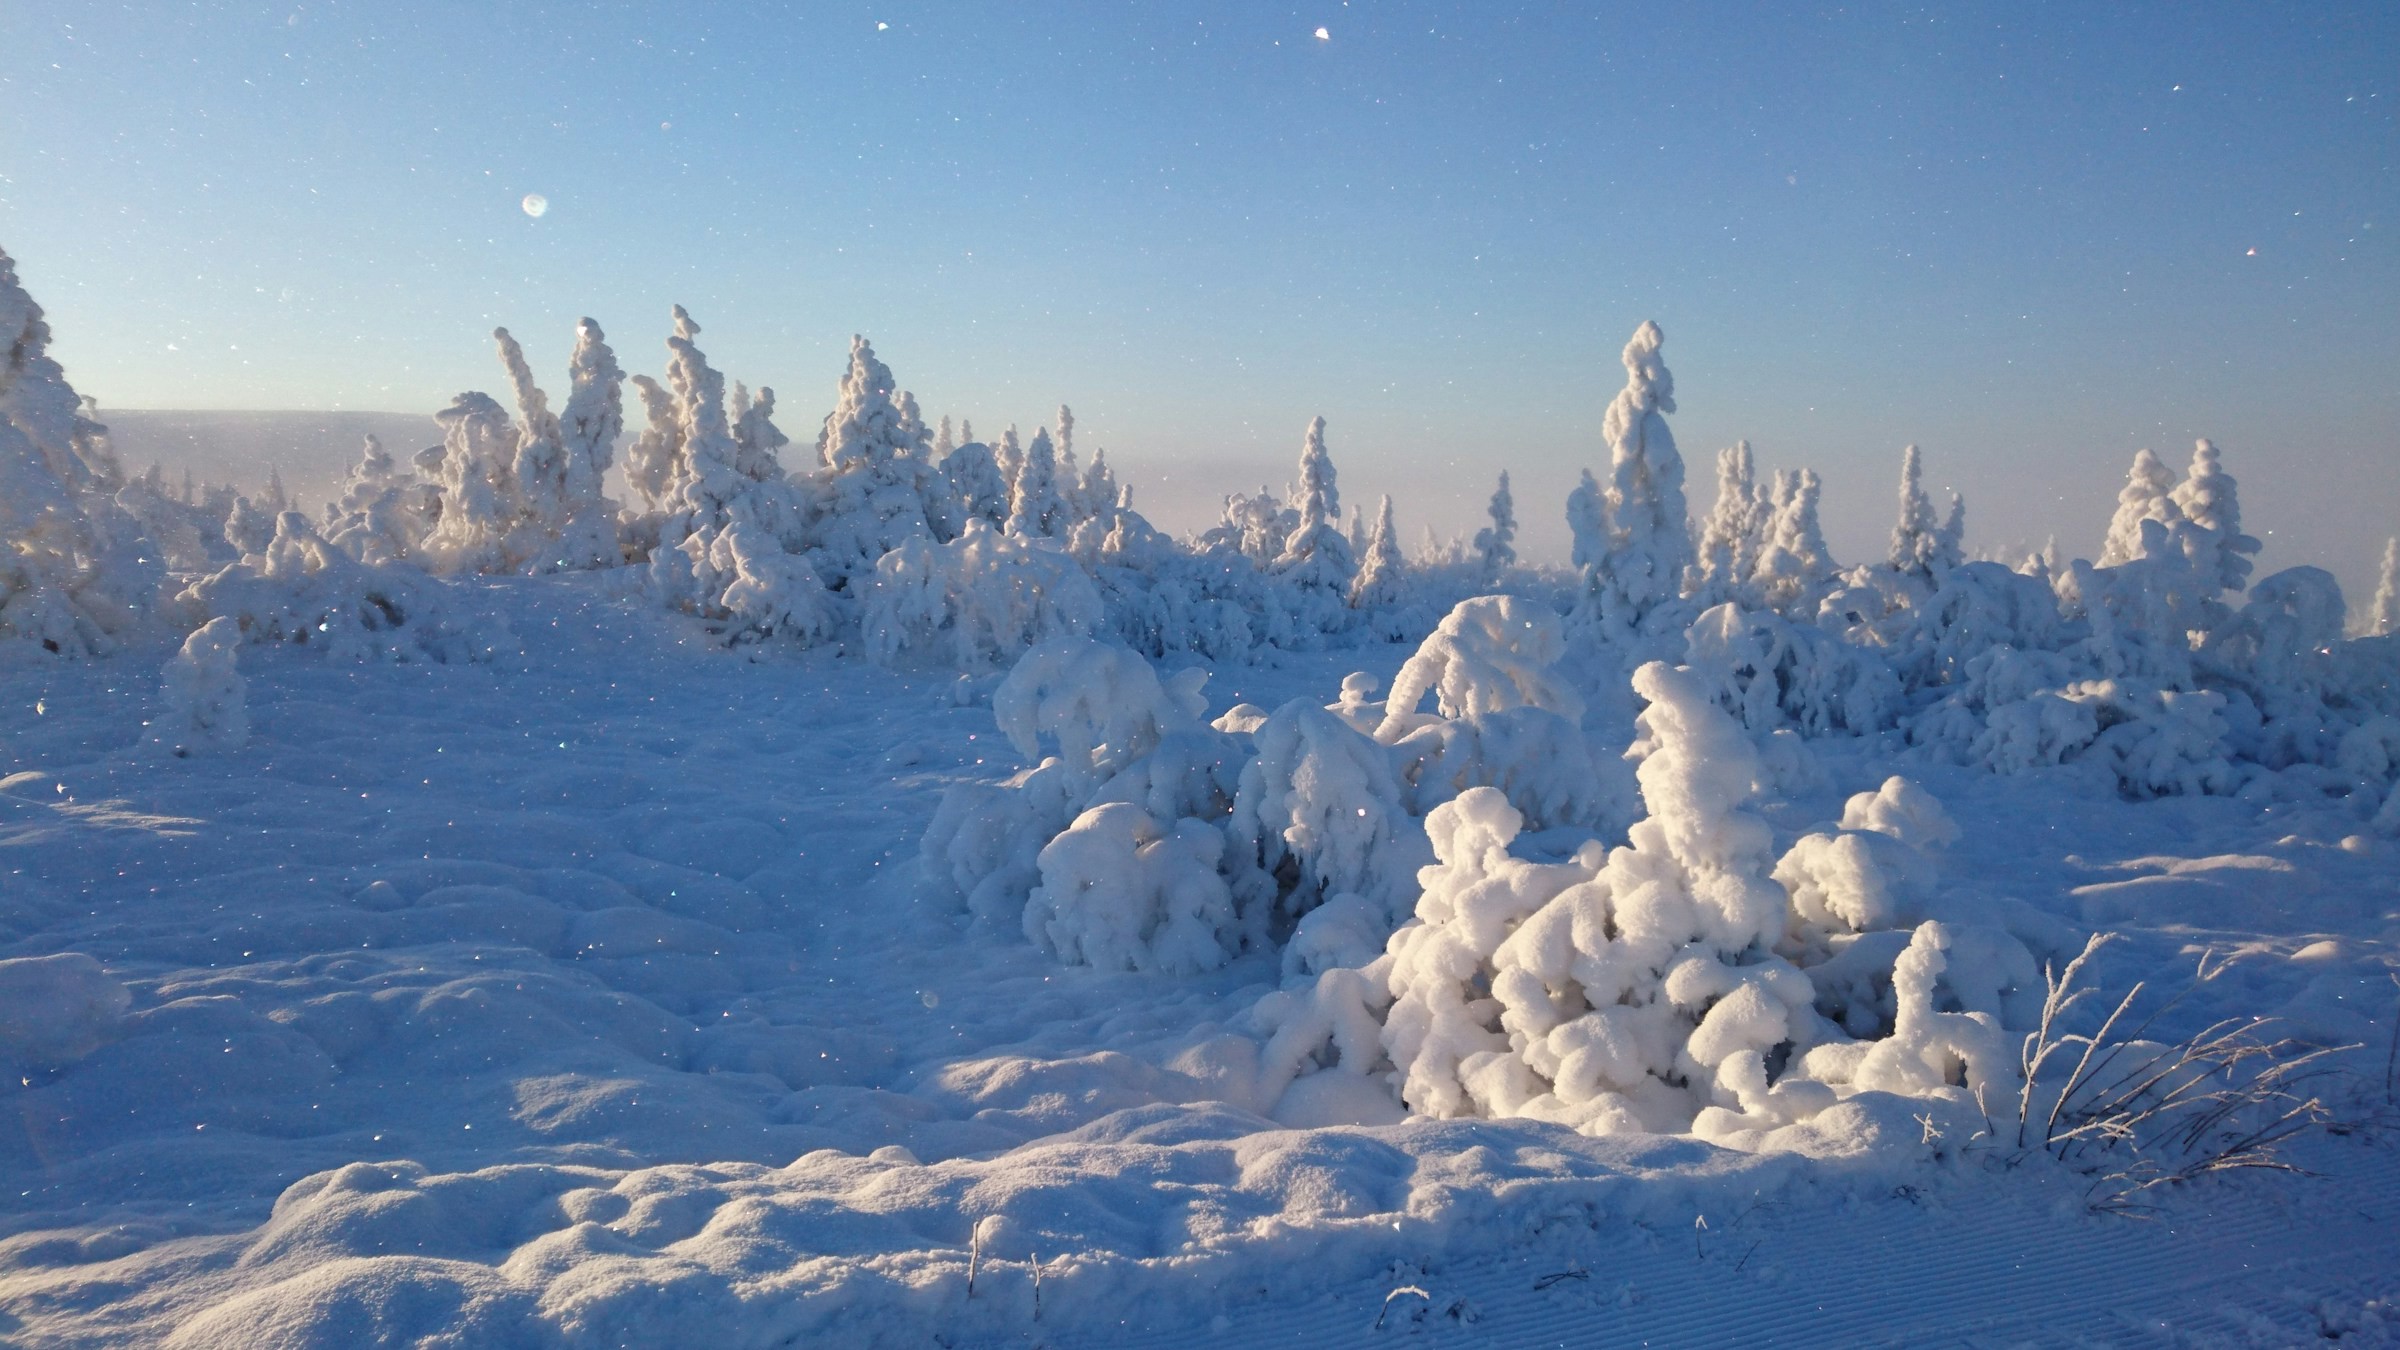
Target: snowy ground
(590,1001)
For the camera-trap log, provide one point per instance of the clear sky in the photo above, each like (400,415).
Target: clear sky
(2030,237)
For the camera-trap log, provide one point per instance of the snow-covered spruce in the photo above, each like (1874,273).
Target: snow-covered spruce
(76,572)
(1644,540)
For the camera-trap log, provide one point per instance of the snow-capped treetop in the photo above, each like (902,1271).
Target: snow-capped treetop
(1950,541)
(943,441)
(1734,532)
(1794,562)
(1649,536)
(754,430)
(655,457)
(1317,555)
(1009,454)
(866,425)
(535,420)
(1034,507)
(2146,495)
(1382,579)
(1315,496)
(1495,546)
(36,398)
(1099,486)
(2383,616)
(1916,536)
(595,412)
(2209,503)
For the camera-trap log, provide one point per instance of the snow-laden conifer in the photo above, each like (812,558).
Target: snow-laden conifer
(2148,494)
(876,476)
(1382,580)
(1035,509)
(1915,537)
(1495,545)
(75,571)
(1316,557)
(2383,614)
(1734,532)
(2211,508)
(1649,537)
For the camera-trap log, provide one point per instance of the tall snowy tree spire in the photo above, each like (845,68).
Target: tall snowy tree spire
(1495,546)
(1731,536)
(1381,571)
(1914,537)
(2212,509)
(1316,556)
(1034,508)
(1649,535)
(2147,495)
(2383,617)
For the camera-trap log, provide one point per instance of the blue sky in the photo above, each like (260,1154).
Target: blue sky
(2029,237)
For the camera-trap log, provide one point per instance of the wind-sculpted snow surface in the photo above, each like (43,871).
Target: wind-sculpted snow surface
(518,1003)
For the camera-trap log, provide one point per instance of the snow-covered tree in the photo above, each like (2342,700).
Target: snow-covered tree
(1733,534)
(1915,542)
(477,479)
(691,565)
(2383,616)
(2148,494)
(977,490)
(1035,509)
(1316,557)
(2212,511)
(1382,580)
(563,521)
(877,477)
(1495,545)
(1649,537)
(1794,566)
(384,511)
(75,570)
(656,455)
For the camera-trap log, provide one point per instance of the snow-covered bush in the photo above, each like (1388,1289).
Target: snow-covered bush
(1773,673)
(1122,891)
(979,600)
(200,700)
(300,589)
(1650,987)
(385,511)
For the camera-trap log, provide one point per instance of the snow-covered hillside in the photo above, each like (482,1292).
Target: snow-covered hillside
(907,899)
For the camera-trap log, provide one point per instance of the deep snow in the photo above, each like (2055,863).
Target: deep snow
(590,998)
